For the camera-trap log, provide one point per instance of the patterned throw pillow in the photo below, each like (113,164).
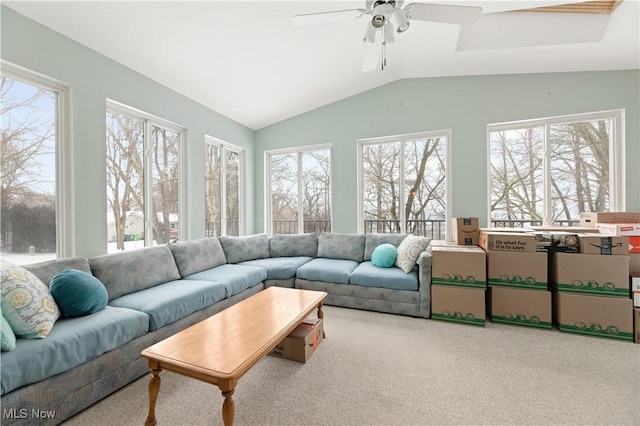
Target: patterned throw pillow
(27,304)
(409,250)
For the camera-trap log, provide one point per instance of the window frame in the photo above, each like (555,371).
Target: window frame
(242,154)
(151,121)
(299,151)
(617,191)
(447,133)
(64,186)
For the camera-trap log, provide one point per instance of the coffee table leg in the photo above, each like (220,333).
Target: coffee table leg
(154,388)
(321,316)
(228,408)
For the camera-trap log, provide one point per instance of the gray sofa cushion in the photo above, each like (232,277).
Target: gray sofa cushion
(172,301)
(341,246)
(72,341)
(46,270)
(236,278)
(239,249)
(197,255)
(374,240)
(279,268)
(327,270)
(134,270)
(281,245)
(394,278)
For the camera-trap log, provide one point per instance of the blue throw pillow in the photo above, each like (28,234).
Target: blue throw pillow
(78,293)
(384,256)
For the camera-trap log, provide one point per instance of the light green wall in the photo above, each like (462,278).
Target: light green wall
(93,78)
(463,104)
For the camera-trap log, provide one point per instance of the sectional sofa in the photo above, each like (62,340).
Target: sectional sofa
(157,291)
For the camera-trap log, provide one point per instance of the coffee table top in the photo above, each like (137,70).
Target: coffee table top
(228,343)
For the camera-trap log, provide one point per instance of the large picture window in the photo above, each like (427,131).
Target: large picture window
(403,184)
(298,190)
(545,172)
(143,179)
(224,168)
(32,145)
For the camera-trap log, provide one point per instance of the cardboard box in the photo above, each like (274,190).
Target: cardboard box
(609,317)
(629,229)
(302,342)
(603,244)
(517,270)
(634,244)
(531,308)
(636,324)
(466,230)
(464,266)
(507,241)
(554,242)
(634,262)
(458,304)
(590,274)
(635,290)
(591,219)
(571,229)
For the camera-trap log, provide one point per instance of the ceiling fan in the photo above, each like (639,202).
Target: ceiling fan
(387,17)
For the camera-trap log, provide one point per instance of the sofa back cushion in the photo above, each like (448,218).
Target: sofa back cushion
(47,270)
(197,255)
(375,240)
(289,245)
(134,270)
(239,249)
(341,246)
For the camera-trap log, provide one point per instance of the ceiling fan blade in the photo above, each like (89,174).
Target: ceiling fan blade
(320,18)
(371,56)
(446,14)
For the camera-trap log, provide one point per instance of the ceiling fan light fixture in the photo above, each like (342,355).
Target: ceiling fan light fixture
(370,34)
(378,21)
(399,20)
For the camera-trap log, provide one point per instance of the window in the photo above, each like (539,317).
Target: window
(36,205)
(545,172)
(224,168)
(298,186)
(143,179)
(403,185)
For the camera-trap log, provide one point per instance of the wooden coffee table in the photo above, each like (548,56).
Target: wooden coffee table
(220,349)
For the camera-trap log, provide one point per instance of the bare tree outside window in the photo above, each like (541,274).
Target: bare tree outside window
(223,192)
(577,173)
(421,165)
(301,191)
(28,181)
(128,223)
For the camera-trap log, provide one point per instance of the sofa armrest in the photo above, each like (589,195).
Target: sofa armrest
(424,282)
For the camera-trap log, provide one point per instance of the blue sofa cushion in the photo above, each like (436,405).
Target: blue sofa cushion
(327,270)
(384,256)
(172,301)
(236,278)
(279,268)
(134,270)
(78,293)
(72,341)
(239,249)
(341,246)
(374,240)
(46,270)
(393,278)
(197,255)
(7,337)
(293,245)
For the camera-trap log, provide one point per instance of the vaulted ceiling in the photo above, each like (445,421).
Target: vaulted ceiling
(249,62)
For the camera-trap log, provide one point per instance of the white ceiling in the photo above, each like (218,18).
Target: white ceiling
(247,61)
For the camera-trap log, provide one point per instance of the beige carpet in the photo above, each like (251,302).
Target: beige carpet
(379,369)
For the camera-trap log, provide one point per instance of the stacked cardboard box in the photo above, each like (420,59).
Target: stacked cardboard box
(458,283)
(466,231)
(591,294)
(517,278)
